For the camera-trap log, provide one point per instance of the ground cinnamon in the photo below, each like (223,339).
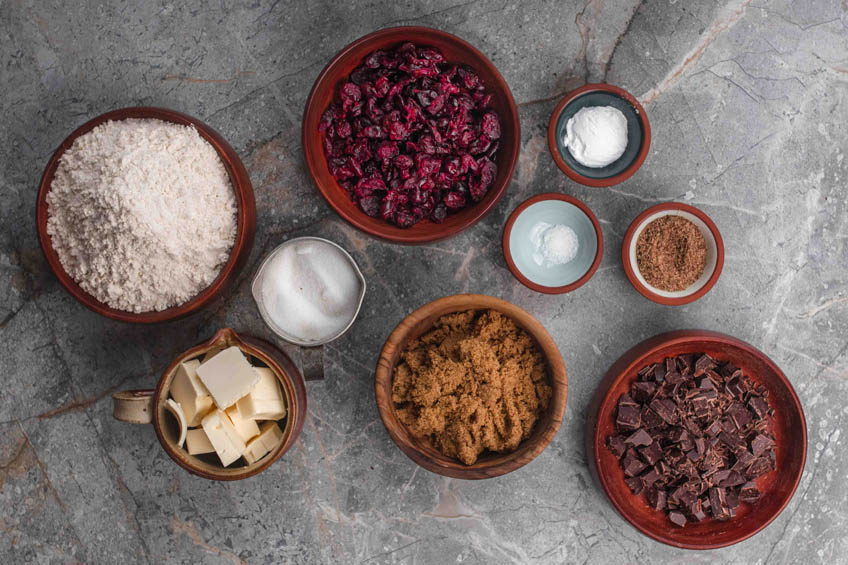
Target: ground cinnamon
(475,382)
(671,253)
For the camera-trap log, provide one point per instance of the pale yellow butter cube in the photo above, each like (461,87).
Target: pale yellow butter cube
(223,436)
(197,442)
(269,438)
(265,401)
(247,429)
(228,376)
(190,393)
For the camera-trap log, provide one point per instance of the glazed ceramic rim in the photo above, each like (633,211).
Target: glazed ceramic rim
(640,157)
(599,238)
(388,232)
(245,217)
(636,227)
(663,341)
(254,291)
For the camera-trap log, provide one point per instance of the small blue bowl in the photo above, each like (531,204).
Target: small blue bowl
(552,208)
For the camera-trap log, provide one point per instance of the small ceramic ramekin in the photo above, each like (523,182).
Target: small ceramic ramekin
(553,208)
(715,254)
(638,134)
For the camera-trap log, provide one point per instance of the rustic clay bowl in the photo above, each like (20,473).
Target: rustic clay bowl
(712,269)
(553,208)
(489,464)
(789,428)
(148,406)
(245,218)
(639,134)
(335,74)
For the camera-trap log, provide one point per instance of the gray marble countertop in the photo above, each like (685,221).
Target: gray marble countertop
(748,102)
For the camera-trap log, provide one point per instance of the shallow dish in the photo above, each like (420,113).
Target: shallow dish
(489,464)
(455,50)
(553,208)
(712,269)
(245,218)
(789,428)
(638,134)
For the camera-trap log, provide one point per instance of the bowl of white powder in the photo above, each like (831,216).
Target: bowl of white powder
(145,214)
(599,135)
(553,243)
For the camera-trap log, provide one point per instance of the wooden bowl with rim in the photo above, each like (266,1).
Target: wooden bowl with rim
(788,426)
(489,464)
(245,218)
(455,50)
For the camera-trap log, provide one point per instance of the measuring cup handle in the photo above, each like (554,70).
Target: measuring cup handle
(133,406)
(312,363)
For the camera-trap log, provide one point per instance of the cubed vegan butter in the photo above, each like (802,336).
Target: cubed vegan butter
(228,376)
(269,437)
(190,393)
(247,429)
(223,436)
(197,442)
(265,401)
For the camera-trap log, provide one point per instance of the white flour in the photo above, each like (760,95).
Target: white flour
(142,214)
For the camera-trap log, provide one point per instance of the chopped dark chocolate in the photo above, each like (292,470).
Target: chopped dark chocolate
(692,434)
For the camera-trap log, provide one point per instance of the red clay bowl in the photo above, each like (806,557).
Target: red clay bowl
(715,254)
(638,127)
(561,209)
(246,218)
(335,74)
(789,429)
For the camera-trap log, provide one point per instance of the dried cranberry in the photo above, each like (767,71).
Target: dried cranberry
(440,212)
(404,218)
(491,126)
(370,205)
(454,200)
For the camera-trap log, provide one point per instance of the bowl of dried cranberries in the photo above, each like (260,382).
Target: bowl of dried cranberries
(411,134)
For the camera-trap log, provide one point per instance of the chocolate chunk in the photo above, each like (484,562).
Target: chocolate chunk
(759,406)
(635,484)
(760,466)
(760,444)
(733,479)
(656,498)
(677,518)
(649,477)
(631,464)
(702,364)
(650,419)
(718,504)
(696,510)
(639,437)
(749,492)
(643,391)
(664,409)
(652,453)
(616,445)
(629,417)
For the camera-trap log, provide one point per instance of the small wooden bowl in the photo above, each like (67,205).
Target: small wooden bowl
(489,464)
(715,254)
(293,388)
(335,74)
(586,220)
(789,428)
(638,144)
(245,218)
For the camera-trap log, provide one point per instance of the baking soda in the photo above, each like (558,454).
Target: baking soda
(553,244)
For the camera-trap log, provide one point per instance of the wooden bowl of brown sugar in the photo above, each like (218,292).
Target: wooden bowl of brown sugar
(687,281)
(488,464)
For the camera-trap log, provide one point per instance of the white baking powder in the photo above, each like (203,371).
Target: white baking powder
(142,213)
(553,245)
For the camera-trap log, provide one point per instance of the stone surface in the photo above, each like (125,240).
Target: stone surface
(748,103)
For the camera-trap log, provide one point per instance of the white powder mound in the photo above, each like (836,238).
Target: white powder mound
(142,213)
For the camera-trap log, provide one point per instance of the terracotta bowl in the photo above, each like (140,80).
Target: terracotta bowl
(489,464)
(335,74)
(639,134)
(789,429)
(712,269)
(553,208)
(246,218)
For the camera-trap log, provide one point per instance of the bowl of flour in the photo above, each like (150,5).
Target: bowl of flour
(145,214)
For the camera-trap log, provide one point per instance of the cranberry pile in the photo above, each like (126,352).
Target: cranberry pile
(412,136)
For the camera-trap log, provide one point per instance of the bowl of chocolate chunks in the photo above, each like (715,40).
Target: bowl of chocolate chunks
(697,438)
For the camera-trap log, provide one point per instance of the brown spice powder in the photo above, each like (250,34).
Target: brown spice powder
(671,253)
(474,382)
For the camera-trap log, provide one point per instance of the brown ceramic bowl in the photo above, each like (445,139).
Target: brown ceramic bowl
(712,269)
(553,208)
(489,464)
(246,218)
(148,406)
(639,134)
(335,74)
(789,428)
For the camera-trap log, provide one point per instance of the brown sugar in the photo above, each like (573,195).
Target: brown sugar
(475,382)
(671,253)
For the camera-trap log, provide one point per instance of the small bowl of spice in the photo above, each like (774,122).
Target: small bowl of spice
(599,135)
(471,387)
(553,243)
(672,253)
